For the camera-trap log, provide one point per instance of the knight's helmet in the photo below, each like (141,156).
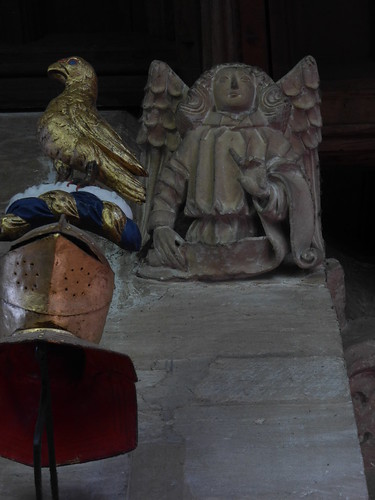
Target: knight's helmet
(56,287)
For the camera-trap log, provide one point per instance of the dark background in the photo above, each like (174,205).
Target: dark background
(121,37)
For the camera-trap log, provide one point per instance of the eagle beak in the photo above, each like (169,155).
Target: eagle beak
(57,71)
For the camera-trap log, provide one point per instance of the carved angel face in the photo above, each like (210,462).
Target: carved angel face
(233,89)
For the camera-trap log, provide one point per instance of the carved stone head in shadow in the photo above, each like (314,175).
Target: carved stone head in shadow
(235,89)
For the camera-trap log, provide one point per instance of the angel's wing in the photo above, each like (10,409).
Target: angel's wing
(158,132)
(303,129)
(90,124)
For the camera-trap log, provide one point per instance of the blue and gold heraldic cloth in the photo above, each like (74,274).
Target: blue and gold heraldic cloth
(82,209)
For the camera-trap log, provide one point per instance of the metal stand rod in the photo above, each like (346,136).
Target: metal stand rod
(44,420)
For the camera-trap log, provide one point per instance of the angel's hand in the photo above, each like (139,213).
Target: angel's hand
(254,175)
(167,243)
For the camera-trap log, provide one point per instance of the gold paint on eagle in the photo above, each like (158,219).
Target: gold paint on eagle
(12,227)
(63,203)
(74,135)
(113,221)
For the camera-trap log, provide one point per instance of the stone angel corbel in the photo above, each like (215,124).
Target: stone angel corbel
(235,171)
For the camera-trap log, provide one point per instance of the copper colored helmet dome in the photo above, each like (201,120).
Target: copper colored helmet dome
(56,276)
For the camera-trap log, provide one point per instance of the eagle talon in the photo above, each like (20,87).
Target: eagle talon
(63,171)
(92,170)
(81,184)
(76,181)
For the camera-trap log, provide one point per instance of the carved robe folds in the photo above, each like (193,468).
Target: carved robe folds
(221,211)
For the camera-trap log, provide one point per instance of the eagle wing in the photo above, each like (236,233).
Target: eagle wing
(94,127)
(98,141)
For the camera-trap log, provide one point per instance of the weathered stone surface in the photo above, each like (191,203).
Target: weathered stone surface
(265,379)
(176,320)
(164,463)
(336,285)
(246,380)
(105,479)
(269,451)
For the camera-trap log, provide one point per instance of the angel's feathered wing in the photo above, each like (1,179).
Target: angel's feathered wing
(303,129)
(158,132)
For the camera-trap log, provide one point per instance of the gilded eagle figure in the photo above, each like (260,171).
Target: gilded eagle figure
(76,137)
